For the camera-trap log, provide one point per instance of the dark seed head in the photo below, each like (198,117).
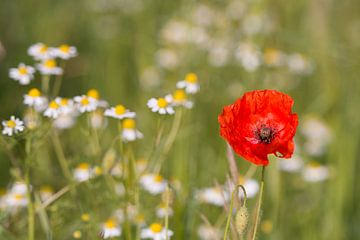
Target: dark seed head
(265,134)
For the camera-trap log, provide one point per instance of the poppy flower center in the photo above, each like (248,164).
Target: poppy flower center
(265,134)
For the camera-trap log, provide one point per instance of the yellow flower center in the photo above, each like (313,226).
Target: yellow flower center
(46,189)
(34,92)
(50,63)
(64,101)
(43,48)
(158,178)
(128,124)
(23,70)
(93,93)
(314,164)
(179,95)
(85,101)
(64,48)
(85,217)
(156,227)
(98,170)
(162,103)
(77,234)
(110,223)
(271,55)
(53,105)
(18,196)
(83,166)
(11,124)
(120,109)
(191,78)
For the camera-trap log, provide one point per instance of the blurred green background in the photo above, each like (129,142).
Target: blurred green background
(124,54)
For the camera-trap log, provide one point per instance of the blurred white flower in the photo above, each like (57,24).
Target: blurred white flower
(97,120)
(203,15)
(162,211)
(214,195)
(129,132)
(153,183)
(161,105)
(175,32)
(167,58)
(218,56)
(65,121)
(65,52)
(119,112)
(248,56)
(82,172)
(12,126)
(315,172)
(156,232)
(49,67)
(274,57)
(253,24)
(190,83)
(40,51)
(110,229)
(46,192)
(24,74)
(34,99)
(298,64)
(206,232)
(85,103)
(53,110)
(294,164)
(180,99)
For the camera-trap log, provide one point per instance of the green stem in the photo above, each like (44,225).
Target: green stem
(45,82)
(167,213)
(257,216)
(60,155)
(234,193)
(30,206)
(58,80)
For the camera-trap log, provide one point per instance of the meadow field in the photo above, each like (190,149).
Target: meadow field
(109,119)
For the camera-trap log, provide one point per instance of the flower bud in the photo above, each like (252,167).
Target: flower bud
(241,220)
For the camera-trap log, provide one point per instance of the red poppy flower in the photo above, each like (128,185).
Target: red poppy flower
(260,123)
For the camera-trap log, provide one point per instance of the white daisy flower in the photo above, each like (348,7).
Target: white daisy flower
(162,211)
(180,99)
(49,67)
(119,112)
(53,110)
(274,57)
(97,119)
(153,183)
(156,232)
(46,192)
(82,172)
(315,172)
(292,165)
(95,95)
(214,195)
(64,121)
(15,200)
(40,51)
(206,232)
(65,52)
(19,187)
(110,229)
(85,103)
(129,132)
(34,99)
(248,56)
(24,74)
(12,126)
(66,105)
(298,64)
(190,83)
(161,105)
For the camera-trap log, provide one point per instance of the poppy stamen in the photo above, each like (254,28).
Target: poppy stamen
(265,134)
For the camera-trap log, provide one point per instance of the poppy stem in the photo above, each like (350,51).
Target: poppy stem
(258,209)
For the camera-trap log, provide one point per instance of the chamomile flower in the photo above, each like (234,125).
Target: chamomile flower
(162,211)
(40,51)
(46,192)
(12,126)
(119,112)
(156,232)
(129,132)
(161,105)
(65,121)
(49,67)
(85,103)
(65,52)
(66,105)
(32,120)
(141,165)
(24,74)
(274,57)
(206,232)
(292,165)
(315,172)
(35,99)
(299,64)
(180,99)
(153,183)
(190,83)
(15,200)
(249,56)
(214,195)
(82,172)
(95,95)
(97,119)
(53,110)
(110,229)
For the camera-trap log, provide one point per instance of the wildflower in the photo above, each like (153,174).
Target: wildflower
(66,105)
(139,220)
(95,95)
(162,211)
(12,126)
(298,64)
(40,51)
(167,58)
(46,192)
(260,123)
(110,229)
(53,110)
(31,119)
(214,195)
(85,103)
(141,165)
(77,234)
(24,74)
(65,52)
(85,217)
(274,57)
(161,105)
(119,112)
(97,119)
(15,200)
(291,165)
(64,121)
(82,172)
(248,56)
(49,67)
(156,232)
(180,99)
(35,99)
(153,183)
(315,172)
(206,232)
(129,132)
(190,83)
